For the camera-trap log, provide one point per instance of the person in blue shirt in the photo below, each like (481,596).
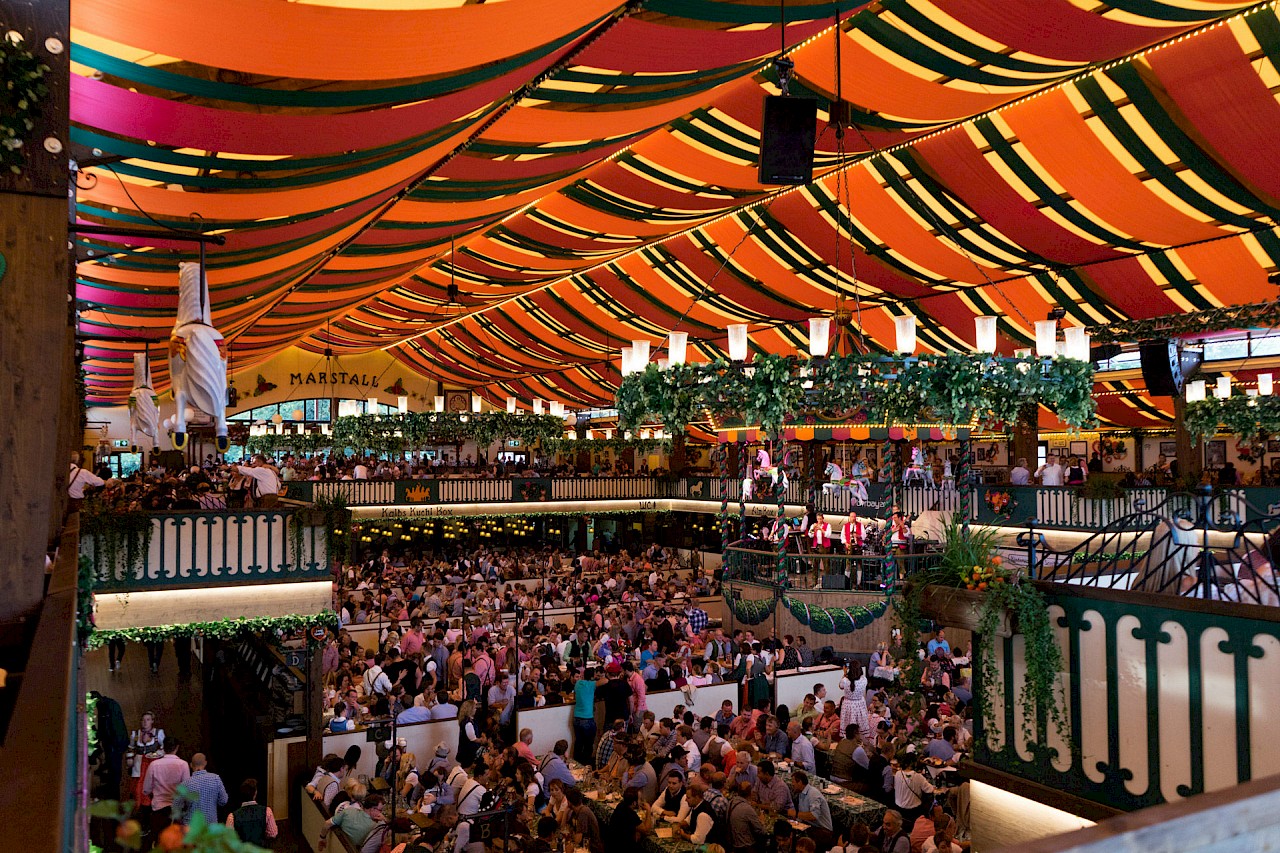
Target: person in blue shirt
(555,767)
(584,715)
(939,644)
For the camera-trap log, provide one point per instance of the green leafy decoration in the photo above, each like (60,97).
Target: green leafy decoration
(22,95)
(121,538)
(1251,419)
(751,612)
(951,388)
(415,431)
(836,620)
(222,629)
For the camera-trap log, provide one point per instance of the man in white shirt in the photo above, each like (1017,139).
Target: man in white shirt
(360,472)
(78,480)
(266,483)
(1020,475)
(1050,473)
(801,748)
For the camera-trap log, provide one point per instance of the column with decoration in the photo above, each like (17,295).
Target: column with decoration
(780,459)
(964,480)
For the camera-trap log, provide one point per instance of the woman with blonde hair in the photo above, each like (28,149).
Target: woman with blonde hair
(468,737)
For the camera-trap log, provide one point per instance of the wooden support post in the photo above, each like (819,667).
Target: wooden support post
(37,382)
(1024,438)
(1190,456)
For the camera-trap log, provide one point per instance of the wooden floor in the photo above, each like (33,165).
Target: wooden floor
(179,707)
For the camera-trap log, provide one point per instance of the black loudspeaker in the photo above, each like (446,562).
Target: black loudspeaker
(453,293)
(786,140)
(1161,368)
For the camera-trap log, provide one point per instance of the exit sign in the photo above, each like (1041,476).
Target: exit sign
(120,442)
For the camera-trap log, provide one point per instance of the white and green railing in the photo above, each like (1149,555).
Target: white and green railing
(215,548)
(1166,697)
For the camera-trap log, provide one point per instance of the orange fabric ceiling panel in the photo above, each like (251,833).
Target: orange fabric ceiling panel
(548,124)
(1227,270)
(333,43)
(1068,149)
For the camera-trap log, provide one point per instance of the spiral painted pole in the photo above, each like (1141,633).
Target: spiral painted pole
(780,457)
(742,491)
(722,470)
(964,476)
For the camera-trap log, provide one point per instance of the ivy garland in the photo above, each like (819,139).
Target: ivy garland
(121,538)
(836,620)
(416,431)
(616,444)
(223,629)
(84,600)
(1251,419)
(1259,315)
(950,388)
(22,93)
(751,612)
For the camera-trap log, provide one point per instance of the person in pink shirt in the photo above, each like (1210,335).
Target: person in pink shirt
(161,785)
(411,642)
(639,693)
(524,746)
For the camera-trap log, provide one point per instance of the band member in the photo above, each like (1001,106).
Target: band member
(852,536)
(820,534)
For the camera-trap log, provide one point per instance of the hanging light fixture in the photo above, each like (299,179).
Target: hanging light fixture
(1195,391)
(627,362)
(1224,387)
(1046,338)
(297,414)
(277,418)
(663,364)
(1076,343)
(537,406)
(737,341)
(639,355)
(476,402)
(402,404)
(439,401)
(557,409)
(819,336)
(984,329)
(511,405)
(677,347)
(373,406)
(905,327)
(1264,384)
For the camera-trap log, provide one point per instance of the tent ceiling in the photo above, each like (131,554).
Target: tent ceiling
(584,173)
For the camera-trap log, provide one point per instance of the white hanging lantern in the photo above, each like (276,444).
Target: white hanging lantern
(1195,391)
(557,408)
(325,430)
(906,333)
(402,404)
(1075,343)
(511,405)
(1224,387)
(1046,338)
(984,329)
(439,401)
(476,402)
(819,336)
(677,347)
(279,429)
(663,364)
(373,405)
(639,355)
(1264,384)
(537,406)
(300,429)
(628,362)
(737,342)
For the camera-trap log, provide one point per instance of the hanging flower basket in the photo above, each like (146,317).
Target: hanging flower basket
(960,608)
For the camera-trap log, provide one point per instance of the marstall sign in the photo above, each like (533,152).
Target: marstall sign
(336,377)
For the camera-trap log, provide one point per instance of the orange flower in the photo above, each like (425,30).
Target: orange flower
(171,837)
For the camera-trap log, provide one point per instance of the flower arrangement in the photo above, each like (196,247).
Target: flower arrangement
(532,490)
(1001,503)
(982,577)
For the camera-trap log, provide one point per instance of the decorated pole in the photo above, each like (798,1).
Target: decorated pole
(780,459)
(722,470)
(739,474)
(964,476)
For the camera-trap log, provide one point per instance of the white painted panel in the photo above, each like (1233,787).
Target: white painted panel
(1131,682)
(706,700)
(790,686)
(1019,678)
(1175,711)
(1062,762)
(420,738)
(1093,694)
(548,725)
(1264,699)
(1219,685)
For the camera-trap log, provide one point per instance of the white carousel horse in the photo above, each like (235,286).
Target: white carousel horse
(144,414)
(860,479)
(917,471)
(197,359)
(948,476)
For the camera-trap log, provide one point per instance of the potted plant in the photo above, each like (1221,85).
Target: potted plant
(973,588)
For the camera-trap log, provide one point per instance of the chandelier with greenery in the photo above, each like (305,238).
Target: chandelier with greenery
(772,391)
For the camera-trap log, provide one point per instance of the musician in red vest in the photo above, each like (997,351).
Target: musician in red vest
(820,533)
(852,536)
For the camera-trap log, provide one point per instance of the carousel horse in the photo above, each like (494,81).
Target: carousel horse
(860,479)
(917,471)
(197,359)
(144,414)
(948,475)
(855,485)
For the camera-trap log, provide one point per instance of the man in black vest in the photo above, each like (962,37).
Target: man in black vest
(254,823)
